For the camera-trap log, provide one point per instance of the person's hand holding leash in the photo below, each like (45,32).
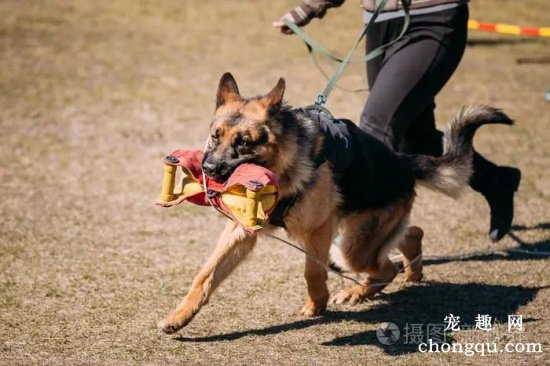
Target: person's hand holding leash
(300,15)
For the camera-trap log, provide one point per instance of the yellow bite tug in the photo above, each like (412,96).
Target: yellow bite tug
(248,196)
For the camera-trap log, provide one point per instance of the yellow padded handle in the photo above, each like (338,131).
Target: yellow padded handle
(252,201)
(168,183)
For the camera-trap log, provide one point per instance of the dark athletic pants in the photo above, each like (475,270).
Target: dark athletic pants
(405,80)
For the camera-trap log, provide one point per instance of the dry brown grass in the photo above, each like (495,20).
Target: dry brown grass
(94,93)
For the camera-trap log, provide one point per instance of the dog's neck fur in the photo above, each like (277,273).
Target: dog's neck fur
(300,143)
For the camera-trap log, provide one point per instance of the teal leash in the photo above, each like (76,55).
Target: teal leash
(312,45)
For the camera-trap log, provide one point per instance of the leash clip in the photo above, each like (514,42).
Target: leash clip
(321,99)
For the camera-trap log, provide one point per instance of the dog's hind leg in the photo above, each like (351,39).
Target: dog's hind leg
(411,247)
(233,246)
(378,278)
(367,238)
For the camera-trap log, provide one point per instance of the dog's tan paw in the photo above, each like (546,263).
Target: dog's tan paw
(351,296)
(311,309)
(413,270)
(168,327)
(415,277)
(174,322)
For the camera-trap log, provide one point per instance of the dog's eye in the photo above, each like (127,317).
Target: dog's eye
(215,136)
(243,146)
(263,138)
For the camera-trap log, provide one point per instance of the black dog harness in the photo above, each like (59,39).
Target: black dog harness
(337,150)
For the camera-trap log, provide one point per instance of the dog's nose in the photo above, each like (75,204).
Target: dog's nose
(209,168)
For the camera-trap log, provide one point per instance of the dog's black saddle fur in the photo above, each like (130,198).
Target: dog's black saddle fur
(367,173)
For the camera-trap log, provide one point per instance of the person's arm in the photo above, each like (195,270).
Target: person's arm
(305,12)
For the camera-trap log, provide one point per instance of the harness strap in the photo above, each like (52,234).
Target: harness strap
(312,45)
(336,150)
(277,216)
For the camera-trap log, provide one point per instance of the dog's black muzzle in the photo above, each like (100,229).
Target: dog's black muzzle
(217,169)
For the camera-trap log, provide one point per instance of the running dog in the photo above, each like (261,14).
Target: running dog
(333,177)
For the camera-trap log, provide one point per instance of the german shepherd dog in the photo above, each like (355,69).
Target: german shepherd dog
(369,204)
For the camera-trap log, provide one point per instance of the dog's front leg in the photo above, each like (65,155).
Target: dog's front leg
(233,246)
(317,245)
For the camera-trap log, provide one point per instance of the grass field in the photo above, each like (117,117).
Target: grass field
(94,93)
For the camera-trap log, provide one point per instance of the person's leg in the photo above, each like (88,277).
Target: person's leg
(400,107)
(423,137)
(376,38)
(496,184)
(413,71)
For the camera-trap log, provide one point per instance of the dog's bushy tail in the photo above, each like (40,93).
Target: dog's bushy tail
(451,172)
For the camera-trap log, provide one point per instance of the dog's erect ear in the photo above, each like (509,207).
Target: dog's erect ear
(227,90)
(274,98)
